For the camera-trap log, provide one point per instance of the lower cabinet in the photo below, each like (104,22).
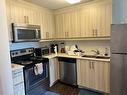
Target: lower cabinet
(94,75)
(18,82)
(53,70)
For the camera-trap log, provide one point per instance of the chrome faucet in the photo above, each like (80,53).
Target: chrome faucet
(96,51)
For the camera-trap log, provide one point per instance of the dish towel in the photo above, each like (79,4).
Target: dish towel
(38,69)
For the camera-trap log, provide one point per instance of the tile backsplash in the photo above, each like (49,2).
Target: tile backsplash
(87,46)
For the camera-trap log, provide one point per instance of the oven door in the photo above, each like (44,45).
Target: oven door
(32,80)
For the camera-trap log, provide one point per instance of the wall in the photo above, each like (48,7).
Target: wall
(119,11)
(6,83)
(87,46)
(14,46)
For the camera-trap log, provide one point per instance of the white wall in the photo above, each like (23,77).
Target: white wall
(119,11)
(6,83)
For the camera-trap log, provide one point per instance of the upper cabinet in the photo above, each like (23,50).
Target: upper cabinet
(47,25)
(91,20)
(67,25)
(22,12)
(80,21)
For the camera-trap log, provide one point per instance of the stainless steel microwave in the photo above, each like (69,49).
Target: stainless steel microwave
(26,33)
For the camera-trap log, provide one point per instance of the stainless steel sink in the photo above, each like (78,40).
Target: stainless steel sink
(98,56)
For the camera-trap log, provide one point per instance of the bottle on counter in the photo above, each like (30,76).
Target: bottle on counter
(55,49)
(62,50)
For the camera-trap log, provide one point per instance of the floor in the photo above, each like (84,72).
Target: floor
(64,89)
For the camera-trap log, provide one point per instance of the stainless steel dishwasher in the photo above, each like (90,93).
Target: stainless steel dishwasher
(68,71)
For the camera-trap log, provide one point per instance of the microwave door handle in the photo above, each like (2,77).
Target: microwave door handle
(37,34)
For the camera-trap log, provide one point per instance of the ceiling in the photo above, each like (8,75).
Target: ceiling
(53,4)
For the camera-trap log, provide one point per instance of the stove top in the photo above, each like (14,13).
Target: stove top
(26,57)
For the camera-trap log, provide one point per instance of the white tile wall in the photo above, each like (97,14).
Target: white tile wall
(87,46)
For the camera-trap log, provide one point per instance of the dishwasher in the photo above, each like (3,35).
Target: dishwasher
(68,71)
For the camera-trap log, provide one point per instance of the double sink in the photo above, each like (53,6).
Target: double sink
(96,56)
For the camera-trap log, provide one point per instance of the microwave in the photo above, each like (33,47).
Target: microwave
(26,33)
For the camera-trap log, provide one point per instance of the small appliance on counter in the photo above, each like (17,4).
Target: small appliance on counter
(74,51)
(54,48)
(41,51)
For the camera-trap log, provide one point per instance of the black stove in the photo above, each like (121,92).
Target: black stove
(26,57)
(38,84)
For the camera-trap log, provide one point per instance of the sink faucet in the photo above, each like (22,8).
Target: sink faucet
(96,51)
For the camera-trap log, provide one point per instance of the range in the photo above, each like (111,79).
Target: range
(35,83)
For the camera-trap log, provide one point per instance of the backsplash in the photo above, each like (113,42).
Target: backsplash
(87,46)
(14,46)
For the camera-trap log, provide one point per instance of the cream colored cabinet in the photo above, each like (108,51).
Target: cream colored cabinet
(90,20)
(67,25)
(47,25)
(93,75)
(54,70)
(95,20)
(59,26)
(8,8)
(21,13)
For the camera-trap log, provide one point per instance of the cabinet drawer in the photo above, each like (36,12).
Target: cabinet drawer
(17,72)
(18,79)
(19,89)
(18,76)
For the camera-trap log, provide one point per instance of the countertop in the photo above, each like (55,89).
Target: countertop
(16,67)
(77,57)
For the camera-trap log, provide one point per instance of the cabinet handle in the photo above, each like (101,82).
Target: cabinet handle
(27,19)
(90,64)
(46,34)
(96,31)
(65,34)
(93,32)
(93,65)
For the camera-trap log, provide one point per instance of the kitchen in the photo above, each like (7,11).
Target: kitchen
(91,19)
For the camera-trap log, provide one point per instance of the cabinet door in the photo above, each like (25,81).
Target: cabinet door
(47,25)
(67,24)
(59,26)
(72,24)
(85,24)
(103,19)
(100,76)
(33,16)
(54,70)
(84,73)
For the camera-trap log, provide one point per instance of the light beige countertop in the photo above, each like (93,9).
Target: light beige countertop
(16,66)
(77,57)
